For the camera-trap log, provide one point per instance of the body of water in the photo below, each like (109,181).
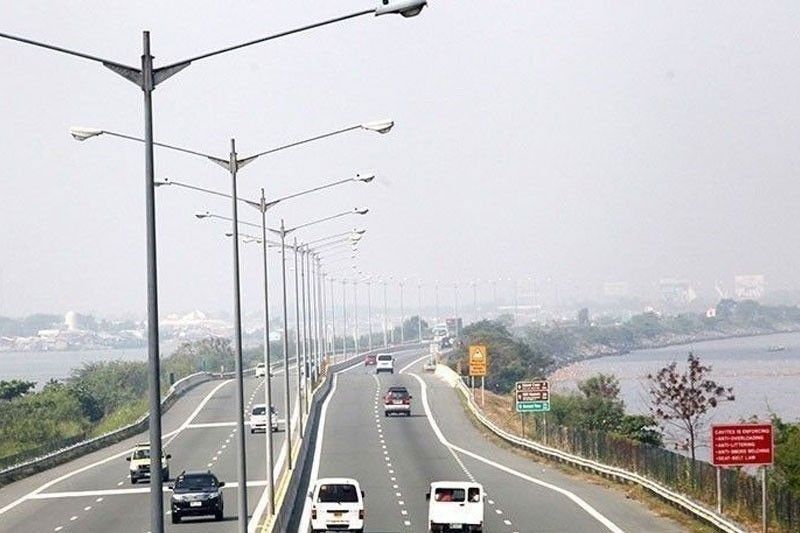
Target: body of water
(43,366)
(762,381)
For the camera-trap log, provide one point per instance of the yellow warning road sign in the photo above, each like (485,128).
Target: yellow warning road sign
(478,360)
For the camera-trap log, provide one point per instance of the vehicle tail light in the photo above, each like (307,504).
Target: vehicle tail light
(406,401)
(313,513)
(361,514)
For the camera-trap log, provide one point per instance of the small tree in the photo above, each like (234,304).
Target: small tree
(15,388)
(682,400)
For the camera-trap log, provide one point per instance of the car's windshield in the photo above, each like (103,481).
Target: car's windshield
(190,482)
(449,495)
(141,454)
(343,493)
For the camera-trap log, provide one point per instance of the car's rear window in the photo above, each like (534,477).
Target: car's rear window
(259,410)
(384,358)
(196,482)
(399,395)
(343,493)
(449,495)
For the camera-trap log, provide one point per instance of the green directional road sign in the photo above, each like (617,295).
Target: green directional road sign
(533,407)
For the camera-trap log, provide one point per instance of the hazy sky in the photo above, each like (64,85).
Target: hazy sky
(582,141)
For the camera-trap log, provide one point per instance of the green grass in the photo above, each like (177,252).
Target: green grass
(121,417)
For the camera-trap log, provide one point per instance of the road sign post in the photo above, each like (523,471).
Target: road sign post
(743,445)
(532,396)
(478,363)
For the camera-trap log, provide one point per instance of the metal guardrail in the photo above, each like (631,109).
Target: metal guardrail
(51,459)
(680,500)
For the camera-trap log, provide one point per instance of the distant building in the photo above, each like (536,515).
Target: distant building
(616,289)
(676,292)
(749,286)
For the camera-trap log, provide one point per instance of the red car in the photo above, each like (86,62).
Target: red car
(397,400)
(369,359)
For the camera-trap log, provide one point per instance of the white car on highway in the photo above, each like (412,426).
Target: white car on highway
(258,418)
(337,503)
(455,506)
(261,370)
(384,363)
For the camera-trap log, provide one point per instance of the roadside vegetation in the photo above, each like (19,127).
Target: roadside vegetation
(95,399)
(594,416)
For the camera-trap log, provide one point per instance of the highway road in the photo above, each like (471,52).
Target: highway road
(396,458)
(94,494)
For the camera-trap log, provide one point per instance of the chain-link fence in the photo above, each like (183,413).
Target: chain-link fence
(741,491)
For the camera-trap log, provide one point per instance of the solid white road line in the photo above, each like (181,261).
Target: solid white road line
(111,457)
(594,513)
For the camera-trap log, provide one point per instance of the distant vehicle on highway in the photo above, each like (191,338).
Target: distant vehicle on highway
(455,506)
(369,359)
(337,504)
(196,494)
(139,461)
(261,370)
(258,418)
(385,363)
(397,400)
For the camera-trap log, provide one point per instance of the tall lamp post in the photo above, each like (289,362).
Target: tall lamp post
(147,77)
(232,165)
(419,311)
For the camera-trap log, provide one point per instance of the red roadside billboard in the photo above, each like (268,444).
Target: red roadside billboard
(741,444)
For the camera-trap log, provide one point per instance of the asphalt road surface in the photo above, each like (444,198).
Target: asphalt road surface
(396,458)
(94,493)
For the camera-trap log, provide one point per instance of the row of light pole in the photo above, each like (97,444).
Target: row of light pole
(147,77)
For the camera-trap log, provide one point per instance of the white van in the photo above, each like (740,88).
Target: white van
(384,363)
(258,418)
(337,503)
(455,506)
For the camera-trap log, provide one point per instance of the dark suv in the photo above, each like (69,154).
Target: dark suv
(397,400)
(196,494)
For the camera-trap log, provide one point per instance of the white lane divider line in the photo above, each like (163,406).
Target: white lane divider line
(580,502)
(58,528)
(170,436)
(73,518)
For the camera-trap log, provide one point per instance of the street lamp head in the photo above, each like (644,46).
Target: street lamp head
(202,214)
(81,134)
(359,231)
(407,8)
(360,211)
(165,181)
(364,179)
(381,126)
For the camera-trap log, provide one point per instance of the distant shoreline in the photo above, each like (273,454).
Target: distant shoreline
(657,346)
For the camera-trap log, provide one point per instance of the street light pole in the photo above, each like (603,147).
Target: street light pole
(436,293)
(267,358)
(455,305)
(419,311)
(402,316)
(475,299)
(153,355)
(355,315)
(369,313)
(385,313)
(300,394)
(344,319)
(241,490)
(333,320)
